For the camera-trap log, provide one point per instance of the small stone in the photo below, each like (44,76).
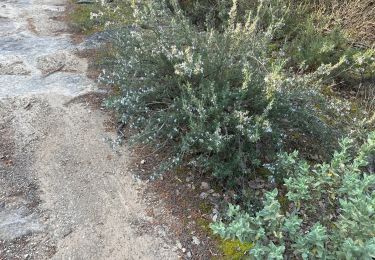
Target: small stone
(183,250)
(179,245)
(188,254)
(211,191)
(205,186)
(196,241)
(143,162)
(203,195)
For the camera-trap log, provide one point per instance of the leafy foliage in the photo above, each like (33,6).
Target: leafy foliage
(312,31)
(215,96)
(330,213)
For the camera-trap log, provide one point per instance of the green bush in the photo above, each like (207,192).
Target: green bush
(308,36)
(214,13)
(330,212)
(215,98)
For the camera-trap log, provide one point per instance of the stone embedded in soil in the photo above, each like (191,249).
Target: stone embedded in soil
(196,241)
(59,61)
(216,195)
(205,186)
(13,65)
(203,195)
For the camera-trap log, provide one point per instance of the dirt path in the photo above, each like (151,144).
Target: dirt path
(64,193)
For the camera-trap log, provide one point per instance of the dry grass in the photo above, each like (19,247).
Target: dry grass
(357,17)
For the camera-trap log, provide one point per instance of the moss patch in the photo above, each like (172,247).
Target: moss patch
(229,249)
(204,224)
(205,207)
(80,20)
(119,13)
(234,249)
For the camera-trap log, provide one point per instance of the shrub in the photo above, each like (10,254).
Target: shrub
(312,31)
(330,214)
(215,98)
(214,13)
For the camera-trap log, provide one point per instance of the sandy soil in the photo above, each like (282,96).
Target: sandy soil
(64,192)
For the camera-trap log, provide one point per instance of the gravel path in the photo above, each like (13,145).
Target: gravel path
(64,193)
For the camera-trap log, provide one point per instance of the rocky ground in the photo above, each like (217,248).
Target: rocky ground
(64,192)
